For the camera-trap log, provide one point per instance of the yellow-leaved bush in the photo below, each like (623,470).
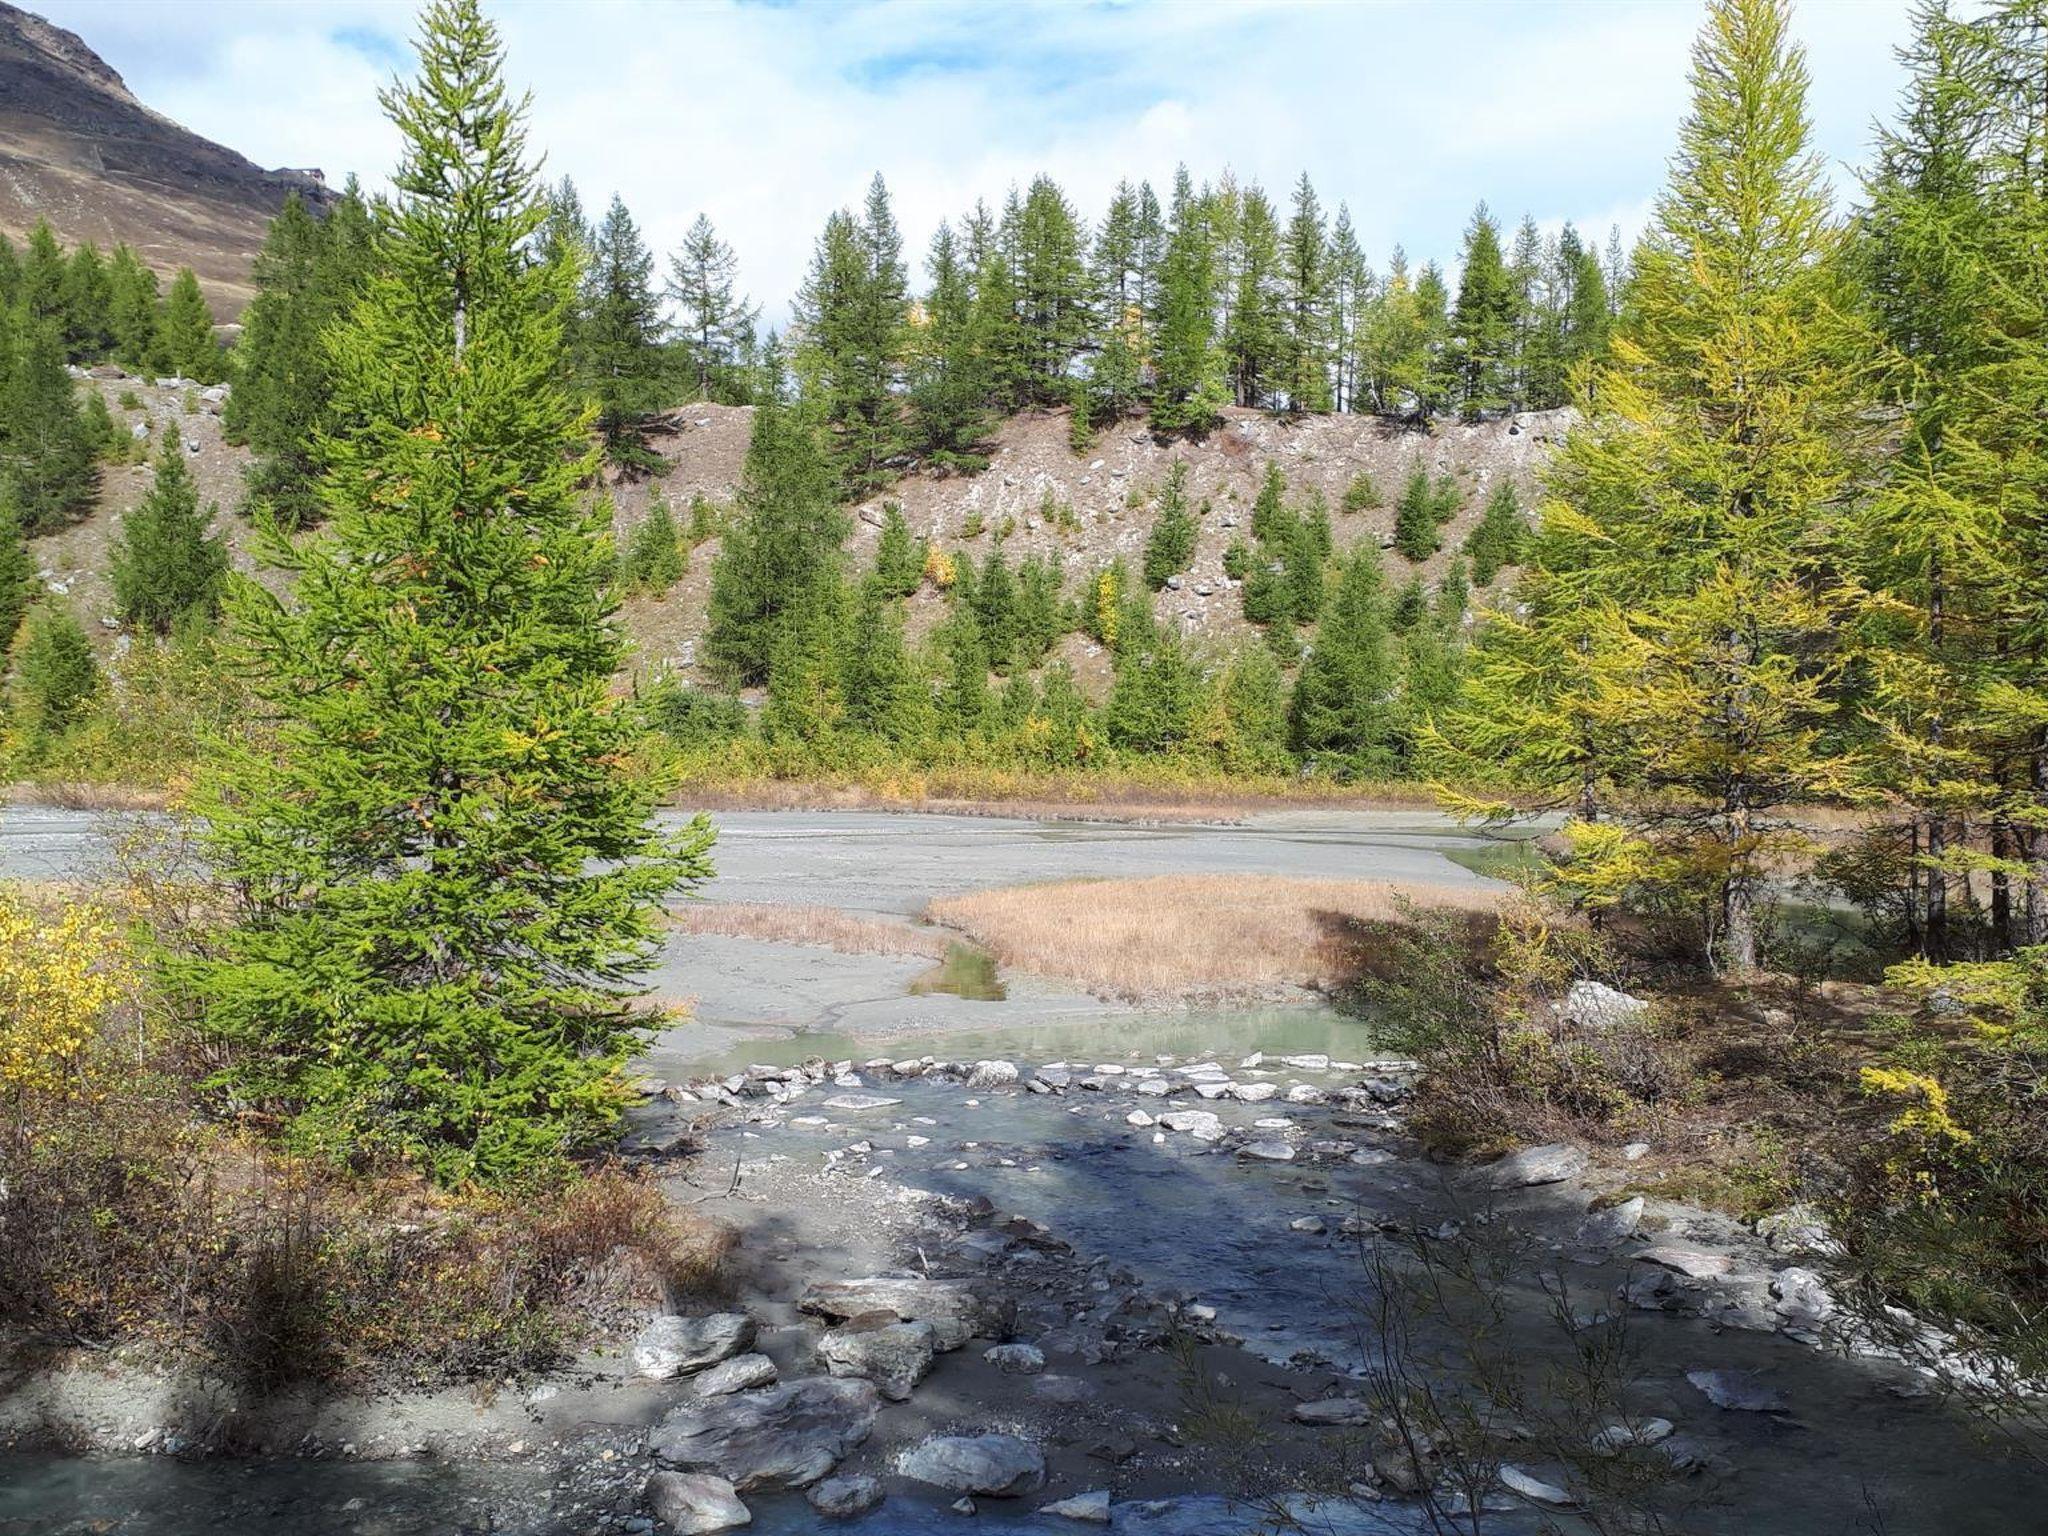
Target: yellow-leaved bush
(60,971)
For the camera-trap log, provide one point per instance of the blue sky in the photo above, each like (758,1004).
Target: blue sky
(768,115)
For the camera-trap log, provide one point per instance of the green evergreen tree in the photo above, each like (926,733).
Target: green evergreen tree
(1307,275)
(1187,386)
(164,565)
(20,584)
(1157,695)
(48,453)
(653,559)
(1344,711)
(899,554)
(185,332)
(1416,528)
(885,696)
(445,878)
(43,271)
(55,678)
(788,531)
(1170,547)
(1483,324)
(88,305)
(1052,289)
(623,338)
(1500,537)
(717,324)
(854,306)
(132,306)
(994,598)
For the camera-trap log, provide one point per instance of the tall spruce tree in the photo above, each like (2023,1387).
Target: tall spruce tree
(716,324)
(784,541)
(623,338)
(164,565)
(48,456)
(445,878)
(1188,384)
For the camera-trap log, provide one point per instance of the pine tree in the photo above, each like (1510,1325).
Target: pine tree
(653,559)
(185,332)
(853,306)
(1170,548)
(445,876)
(1500,538)
(1682,614)
(1343,713)
(1254,339)
(132,311)
(1187,375)
(788,531)
(43,270)
(55,678)
(717,324)
(1307,276)
(163,564)
(623,338)
(885,696)
(88,306)
(950,377)
(283,385)
(1483,324)
(899,555)
(19,583)
(1417,528)
(1052,289)
(48,455)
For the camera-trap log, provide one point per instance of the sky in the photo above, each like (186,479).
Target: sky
(768,114)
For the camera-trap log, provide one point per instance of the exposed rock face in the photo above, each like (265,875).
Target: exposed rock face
(672,1346)
(785,1436)
(957,1310)
(692,1503)
(1001,1466)
(894,1356)
(76,147)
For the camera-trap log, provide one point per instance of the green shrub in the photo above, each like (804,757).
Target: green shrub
(653,559)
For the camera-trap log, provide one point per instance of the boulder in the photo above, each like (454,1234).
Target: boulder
(690,1503)
(894,1356)
(1092,1506)
(1016,1359)
(674,1346)
(992,1074)
(1002,1466)
(1595,1005)
(785,1436)
(958,1310)
(841,1498)
(742,1373)
(1198,1123)
(1328,1411)
(1551,1164)
(1267,1151)
(1801,1297)
(1253,1093)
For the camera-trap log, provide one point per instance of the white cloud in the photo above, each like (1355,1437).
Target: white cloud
(767,117)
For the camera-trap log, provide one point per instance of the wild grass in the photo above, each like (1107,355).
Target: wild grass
(1192,937)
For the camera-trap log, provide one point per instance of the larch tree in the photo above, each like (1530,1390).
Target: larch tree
(164,565)
(445,877)
(716,323)
(623,359)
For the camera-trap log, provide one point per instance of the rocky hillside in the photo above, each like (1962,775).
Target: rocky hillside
(78,149)
(1108,497)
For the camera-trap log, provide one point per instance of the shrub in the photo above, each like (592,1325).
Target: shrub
(1362,494)
(692,717)
(653,559)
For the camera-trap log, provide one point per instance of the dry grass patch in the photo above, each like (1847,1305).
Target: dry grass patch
(1192,936)
(851,933)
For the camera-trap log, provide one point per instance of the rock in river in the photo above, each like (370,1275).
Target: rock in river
(672,1346)
(1534,1489)
(999,1465)
(1533,1165)
(785,1436)
(1198,1123)
(1092,1506)
(1738,1391)
(841,1498)
(992,1074)
(956,1309)
(859,1101)
(894,1356)
(1267,1151)
(1334,1411)
(691,1503)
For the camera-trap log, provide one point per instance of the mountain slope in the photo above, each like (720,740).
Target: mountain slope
(78,149)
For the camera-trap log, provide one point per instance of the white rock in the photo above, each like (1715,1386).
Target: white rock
(692,1503)
(1092,1506)
(1534,1489)
(1595,1005)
